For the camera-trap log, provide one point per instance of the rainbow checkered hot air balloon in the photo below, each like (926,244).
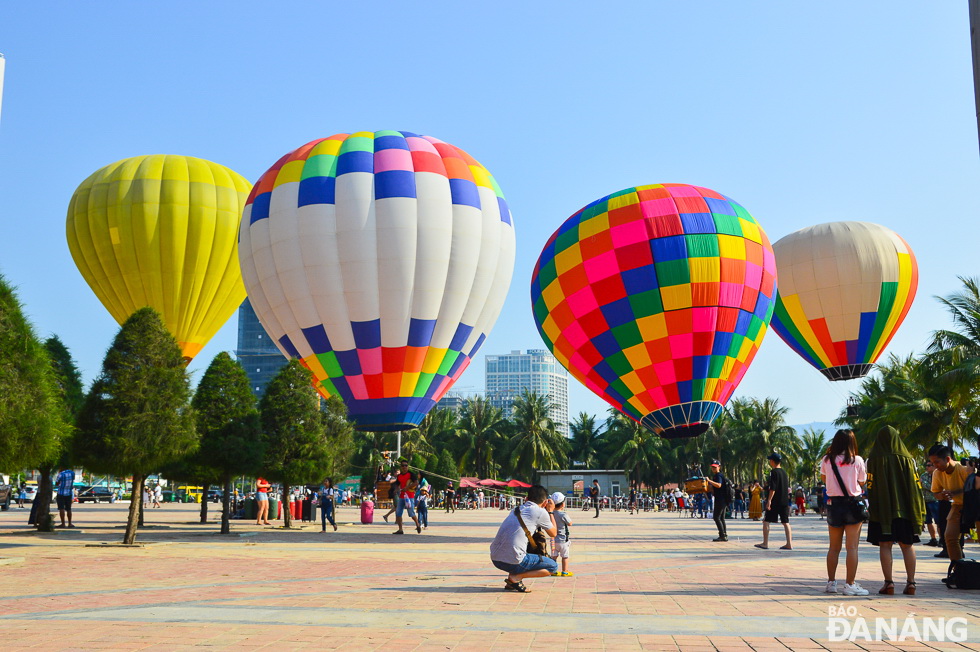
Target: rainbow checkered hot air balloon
(657,299)
(381,261)
(844,289)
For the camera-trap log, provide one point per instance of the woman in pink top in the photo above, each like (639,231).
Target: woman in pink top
(841,520)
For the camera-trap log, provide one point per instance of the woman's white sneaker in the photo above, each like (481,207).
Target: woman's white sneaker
(831,586)
(854,589)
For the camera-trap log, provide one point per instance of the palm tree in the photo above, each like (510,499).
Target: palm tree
(480,428)
(536,444)
(424,441)
(587,440)
(923,397)
(369,449)
(637,448)
(812,449)
(760,428)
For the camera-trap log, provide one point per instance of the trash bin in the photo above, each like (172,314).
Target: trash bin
(250,509)
(309,511)
(275,509)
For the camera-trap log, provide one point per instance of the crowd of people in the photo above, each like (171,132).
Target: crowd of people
(887,492)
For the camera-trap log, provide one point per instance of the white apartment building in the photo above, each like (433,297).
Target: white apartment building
(535,370)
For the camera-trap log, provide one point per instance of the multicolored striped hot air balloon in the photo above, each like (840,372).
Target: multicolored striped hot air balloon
(162,231)
(381,261)
(657,299)
(844,289)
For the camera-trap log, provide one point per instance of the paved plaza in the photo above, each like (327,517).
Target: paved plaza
(647,581)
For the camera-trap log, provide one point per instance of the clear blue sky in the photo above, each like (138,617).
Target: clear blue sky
(802,112)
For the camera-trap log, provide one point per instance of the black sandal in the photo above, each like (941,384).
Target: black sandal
(515,586)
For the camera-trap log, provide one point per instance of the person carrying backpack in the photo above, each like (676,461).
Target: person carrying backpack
(723,493)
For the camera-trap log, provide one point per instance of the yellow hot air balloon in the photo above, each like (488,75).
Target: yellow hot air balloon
(162,231)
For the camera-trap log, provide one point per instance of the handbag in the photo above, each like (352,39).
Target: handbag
(963,574)
(537,543)
(856,504)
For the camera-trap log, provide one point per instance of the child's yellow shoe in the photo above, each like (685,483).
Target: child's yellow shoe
(556,574)
(566,573)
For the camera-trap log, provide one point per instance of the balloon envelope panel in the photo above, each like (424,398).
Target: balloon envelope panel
(161,231)
(381,260)
(844,289)
(657,299)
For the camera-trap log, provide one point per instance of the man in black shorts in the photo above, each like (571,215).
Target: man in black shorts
(450,498)
(777,503)
(64,485)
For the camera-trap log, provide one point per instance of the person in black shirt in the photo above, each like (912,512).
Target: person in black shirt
(595,494)
(720,492)
(777,503)
(450,498)
(739,507)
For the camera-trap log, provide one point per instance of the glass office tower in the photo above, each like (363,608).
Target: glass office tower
(256,352)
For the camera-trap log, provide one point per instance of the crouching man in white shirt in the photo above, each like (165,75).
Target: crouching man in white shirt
(508,552)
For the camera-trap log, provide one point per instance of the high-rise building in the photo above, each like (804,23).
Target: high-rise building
(535,370)
(451,401)
(256,352)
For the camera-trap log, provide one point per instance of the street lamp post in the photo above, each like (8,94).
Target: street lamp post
(975,48)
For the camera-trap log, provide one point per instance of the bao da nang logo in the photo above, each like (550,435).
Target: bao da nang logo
(844,624)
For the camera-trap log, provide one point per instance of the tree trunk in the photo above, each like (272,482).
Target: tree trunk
(42,515)
(287,516)
(204,504)
(225,503)
(135,510)
(142,506)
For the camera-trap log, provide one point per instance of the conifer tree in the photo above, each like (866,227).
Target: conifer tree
(297,445)
(71,395)
(31,423)
(228,422)
(137,416)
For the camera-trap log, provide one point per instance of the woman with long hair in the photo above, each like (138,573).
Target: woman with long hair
(843,471)
(755,501)
(896,506)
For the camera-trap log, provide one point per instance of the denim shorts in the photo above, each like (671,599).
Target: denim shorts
(405,504)
(261,496)
(531,562)
(840,513)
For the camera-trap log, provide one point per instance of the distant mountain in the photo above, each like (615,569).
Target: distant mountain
(827,427)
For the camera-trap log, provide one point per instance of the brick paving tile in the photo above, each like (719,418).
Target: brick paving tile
(650,581)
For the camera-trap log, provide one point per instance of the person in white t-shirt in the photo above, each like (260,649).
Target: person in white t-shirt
(508,551)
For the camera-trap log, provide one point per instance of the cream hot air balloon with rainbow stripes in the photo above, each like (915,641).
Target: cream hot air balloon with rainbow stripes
(844,289)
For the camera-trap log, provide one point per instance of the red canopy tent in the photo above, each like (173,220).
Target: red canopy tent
(492,483)
(469,483)
(518,484)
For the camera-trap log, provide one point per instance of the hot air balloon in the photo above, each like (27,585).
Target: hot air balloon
(657,299)
(381,261)
(844,289)
(161,231)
